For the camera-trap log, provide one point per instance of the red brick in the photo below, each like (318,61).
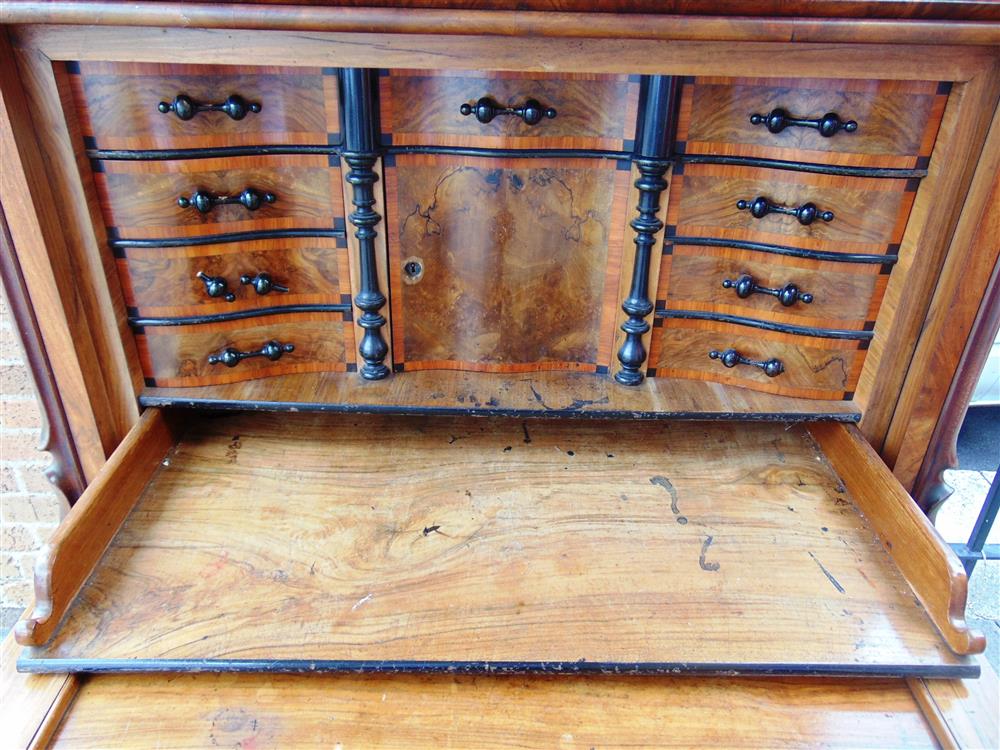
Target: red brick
(32,509)
(10,346)
(16,593)
(8,480)
(19,414)
(34,480)
(18,538)
(21,448)
(15,380)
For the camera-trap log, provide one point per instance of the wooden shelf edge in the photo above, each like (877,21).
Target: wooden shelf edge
(77,545)
(926,561)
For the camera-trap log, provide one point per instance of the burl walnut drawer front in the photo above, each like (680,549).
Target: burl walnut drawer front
(881,124)
(508,110)
(504,264)
(769,361)
(798,291)
(230,351)
(821,212)
(165,106)
(186,198)
(232,277)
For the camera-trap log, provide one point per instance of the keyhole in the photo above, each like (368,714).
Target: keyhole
(413,270)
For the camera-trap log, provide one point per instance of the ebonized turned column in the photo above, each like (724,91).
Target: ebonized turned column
(652,160)
(361,153)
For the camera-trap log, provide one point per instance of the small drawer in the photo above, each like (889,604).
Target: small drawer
(508,110)
(830,213)
(811,367)
(230,277)
(142,199)
(878,124)
(798,291)
(179,355)
(162,106)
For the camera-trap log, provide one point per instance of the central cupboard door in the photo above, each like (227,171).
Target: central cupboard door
(504,264)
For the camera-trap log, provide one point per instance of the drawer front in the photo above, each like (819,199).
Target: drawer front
(140,199)
(897,121)
(425,108)
(118,105)
(178,355)
(165,281)
(812,367)
(504,265)
(868,214)
(813,293)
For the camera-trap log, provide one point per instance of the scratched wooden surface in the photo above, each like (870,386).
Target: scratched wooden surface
(411,711)
(322,537)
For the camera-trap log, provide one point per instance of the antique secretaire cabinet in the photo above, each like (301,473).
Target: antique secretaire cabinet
(498,376)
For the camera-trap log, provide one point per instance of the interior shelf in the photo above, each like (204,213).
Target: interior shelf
(324,542)
(554,394)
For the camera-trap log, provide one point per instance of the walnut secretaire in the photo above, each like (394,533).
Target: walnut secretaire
(685,272)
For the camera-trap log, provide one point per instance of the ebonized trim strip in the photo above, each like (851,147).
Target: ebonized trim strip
(220,239)
(474,410)
(238,315)
(171,154)
(794,252)
(821,333)
(799,166)
(294,666)
(513,153)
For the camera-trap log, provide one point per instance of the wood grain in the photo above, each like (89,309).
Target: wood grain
(897,120)
(66,283)
(538,394)
(845,295)
(514,260)
(117,105)
(924,249)
(814,367)
(75,547)
(421,107)
(869,213)
(461,541)
(163,281)
(896,22)
(429,712)
(31,705)
(178,355)
(924,558)
(140,198)
(967,710)
(921,440)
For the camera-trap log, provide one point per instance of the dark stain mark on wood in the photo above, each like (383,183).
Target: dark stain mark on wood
(527,436)
(232,451)
(428,530)
(508,449)
(709,566)
(828,574)
(570,453)
(665,484)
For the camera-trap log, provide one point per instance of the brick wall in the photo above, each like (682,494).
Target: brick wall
(29,507)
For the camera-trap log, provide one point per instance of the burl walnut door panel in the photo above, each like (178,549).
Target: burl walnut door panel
(504,265)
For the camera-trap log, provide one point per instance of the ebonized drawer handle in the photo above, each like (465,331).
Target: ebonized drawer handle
(730,358)
(235,106)
(205,202)
(216,286)
(262,283)
(486,109)
(828,125)
(231,357)
(788,295)
(806,214)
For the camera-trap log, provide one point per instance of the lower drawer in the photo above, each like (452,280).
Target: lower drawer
(430,712)
(808,366)
(216,353)
(320,542)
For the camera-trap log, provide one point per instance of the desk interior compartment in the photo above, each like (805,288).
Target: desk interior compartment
(301,542)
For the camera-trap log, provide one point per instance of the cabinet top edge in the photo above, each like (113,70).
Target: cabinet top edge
(965,22)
